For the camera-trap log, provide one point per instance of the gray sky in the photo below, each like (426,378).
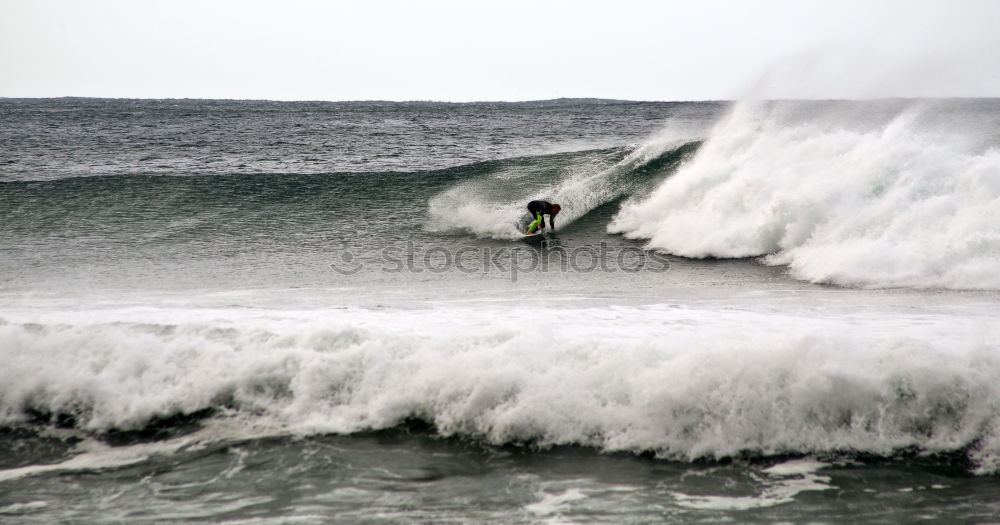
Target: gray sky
(503,50)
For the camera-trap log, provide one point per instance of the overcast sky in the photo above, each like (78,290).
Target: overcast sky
(503,50)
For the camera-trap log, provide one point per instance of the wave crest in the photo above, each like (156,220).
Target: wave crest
(859,204)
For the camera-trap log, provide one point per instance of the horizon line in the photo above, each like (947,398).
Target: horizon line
(528,101)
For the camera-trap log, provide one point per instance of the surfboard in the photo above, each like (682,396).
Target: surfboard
(534,234)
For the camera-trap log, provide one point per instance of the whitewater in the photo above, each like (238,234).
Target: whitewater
(684,382)
(886,204)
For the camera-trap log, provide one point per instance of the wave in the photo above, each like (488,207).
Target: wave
(486,198)
(906,198)
(492,203)
(686,383)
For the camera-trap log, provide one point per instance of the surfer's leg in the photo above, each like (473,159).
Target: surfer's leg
(538,220)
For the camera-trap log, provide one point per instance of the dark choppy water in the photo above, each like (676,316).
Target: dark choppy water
(394,477)
(261,312)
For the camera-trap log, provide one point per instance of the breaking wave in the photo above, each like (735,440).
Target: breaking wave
(906,198)
(491,203)
(684,382)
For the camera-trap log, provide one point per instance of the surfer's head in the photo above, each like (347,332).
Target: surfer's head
(555,208)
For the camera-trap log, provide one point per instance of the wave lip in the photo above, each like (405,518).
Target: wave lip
(686,383)
(893,205)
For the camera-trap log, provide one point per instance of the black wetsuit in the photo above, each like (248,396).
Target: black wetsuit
(543,207)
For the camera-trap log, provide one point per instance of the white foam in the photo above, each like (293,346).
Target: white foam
(773,493)
(686,382)
(795,467)
(554,503)
(784,481)
(91,454)
(838,201)
(23,508)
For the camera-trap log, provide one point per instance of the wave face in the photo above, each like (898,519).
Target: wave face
(286,212)
(492,204)
(895,195)
(685,382)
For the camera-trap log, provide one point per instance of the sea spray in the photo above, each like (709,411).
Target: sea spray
(894,203)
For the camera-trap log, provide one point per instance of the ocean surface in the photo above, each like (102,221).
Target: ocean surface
(263,312)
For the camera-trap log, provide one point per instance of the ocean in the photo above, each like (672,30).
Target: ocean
(254,312)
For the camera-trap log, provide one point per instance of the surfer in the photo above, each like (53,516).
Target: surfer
(538,210)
